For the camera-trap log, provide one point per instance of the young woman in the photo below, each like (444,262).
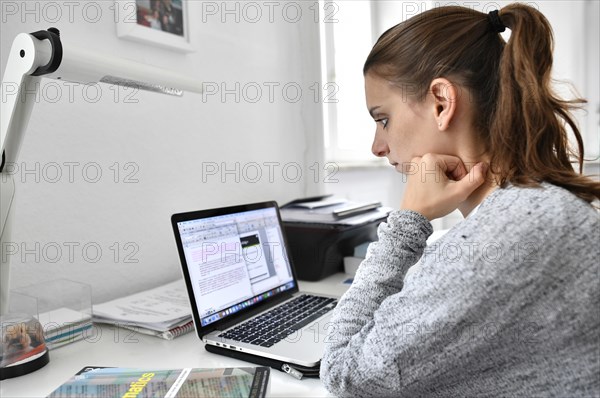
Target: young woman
(505,303)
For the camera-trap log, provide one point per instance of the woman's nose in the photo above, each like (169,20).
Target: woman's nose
(379,147)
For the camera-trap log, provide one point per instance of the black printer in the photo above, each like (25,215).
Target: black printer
(322,230)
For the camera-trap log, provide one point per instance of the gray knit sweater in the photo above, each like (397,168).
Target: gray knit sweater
(507,303)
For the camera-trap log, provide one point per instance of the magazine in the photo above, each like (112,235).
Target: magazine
(102,382)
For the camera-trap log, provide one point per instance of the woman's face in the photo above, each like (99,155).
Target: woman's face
(405,128)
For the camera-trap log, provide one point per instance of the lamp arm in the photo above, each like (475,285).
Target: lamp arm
(42,54)
(19,90)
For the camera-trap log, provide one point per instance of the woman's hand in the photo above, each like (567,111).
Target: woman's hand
(437,184)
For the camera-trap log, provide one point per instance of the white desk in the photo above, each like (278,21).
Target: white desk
(109,346)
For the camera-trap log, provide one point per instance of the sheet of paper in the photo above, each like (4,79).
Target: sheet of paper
(319,203)
(61,317)
(166,304)
(320,216)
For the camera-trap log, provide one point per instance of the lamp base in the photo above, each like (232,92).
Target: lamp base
(25,368)
(23,348)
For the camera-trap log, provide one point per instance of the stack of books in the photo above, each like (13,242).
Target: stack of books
(163,312)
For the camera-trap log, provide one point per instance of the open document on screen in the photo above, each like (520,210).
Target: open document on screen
(234,258)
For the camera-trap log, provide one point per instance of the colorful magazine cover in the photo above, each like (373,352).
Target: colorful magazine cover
(101,382)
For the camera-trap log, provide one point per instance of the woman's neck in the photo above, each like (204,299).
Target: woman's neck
(477,196)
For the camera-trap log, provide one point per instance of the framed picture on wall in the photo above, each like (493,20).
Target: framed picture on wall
(163,23)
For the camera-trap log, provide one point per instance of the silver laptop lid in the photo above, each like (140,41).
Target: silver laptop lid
(234,261)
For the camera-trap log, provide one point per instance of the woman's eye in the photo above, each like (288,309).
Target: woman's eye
(383,122)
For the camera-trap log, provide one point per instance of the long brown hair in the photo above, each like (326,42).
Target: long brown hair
(521,121)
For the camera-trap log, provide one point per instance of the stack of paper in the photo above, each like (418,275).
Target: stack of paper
(333,211)
(163,311)
(63,326)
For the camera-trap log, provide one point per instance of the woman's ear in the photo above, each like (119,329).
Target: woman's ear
(445,99)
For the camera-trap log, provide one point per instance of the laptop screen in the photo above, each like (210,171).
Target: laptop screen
(235,261)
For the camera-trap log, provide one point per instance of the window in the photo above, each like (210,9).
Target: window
(346,39)
(349,30)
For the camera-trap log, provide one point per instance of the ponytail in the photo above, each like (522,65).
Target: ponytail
(528,138)
(520,119)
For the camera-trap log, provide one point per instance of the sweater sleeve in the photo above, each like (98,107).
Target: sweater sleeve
(352,363)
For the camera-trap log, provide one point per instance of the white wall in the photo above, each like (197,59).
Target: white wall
(160,144)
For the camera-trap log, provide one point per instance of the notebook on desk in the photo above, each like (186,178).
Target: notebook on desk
(243,288)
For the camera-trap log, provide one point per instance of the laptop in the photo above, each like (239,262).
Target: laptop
(243,288)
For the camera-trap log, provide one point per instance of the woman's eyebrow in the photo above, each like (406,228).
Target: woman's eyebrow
(373,109)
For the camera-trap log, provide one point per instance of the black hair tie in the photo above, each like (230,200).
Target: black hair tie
(496,21)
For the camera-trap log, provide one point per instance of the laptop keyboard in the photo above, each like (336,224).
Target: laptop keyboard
(275,325)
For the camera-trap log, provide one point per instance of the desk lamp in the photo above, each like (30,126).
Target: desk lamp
(42,54)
